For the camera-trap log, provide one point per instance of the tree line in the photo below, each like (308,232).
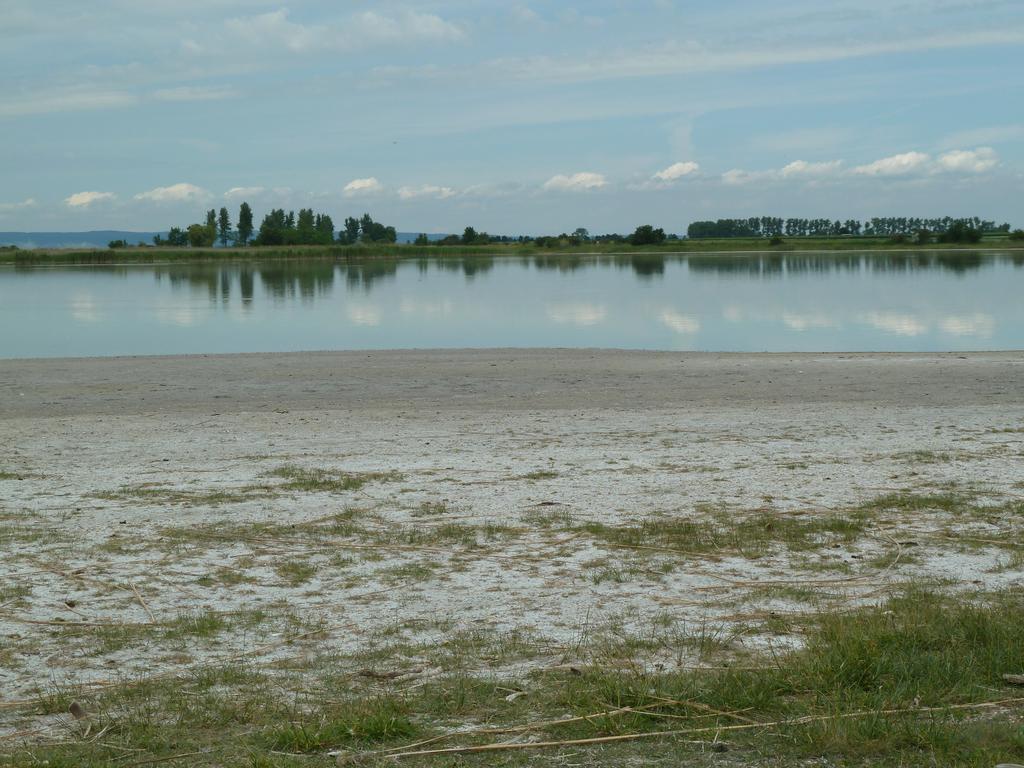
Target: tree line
(312,228)
(888,226)
(277,228)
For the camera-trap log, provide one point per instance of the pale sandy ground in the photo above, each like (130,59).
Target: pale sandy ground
(622,436)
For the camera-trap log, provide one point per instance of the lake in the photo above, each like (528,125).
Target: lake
(778,302)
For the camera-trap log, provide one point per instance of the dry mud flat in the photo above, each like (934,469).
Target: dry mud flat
(518,510)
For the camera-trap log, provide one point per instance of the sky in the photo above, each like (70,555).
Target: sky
(514,117)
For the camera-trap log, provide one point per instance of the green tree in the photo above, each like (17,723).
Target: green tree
(350,234)
(647,235)
(224,227)
(201,235)
(324,226)
(961,232)
(244,224)
(305,228)
(374,232)
(177,237)
(421,239)
(469,236)
(273,229)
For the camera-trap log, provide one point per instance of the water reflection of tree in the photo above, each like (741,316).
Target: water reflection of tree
(246,285)
(213,279)
(777,264)
(648,265)
(311,279)
(367,273)
(958,262)
(477,266)
(561,262)
(305,279)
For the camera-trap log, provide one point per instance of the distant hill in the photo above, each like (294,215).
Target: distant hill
(101,237)
(96,239)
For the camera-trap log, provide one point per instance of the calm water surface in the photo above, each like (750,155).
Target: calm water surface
(764,302)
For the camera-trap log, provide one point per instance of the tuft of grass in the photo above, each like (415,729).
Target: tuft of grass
(14,594)
(558,518)
(752,536)
(295,572)
(360,722)
(161,494)
(540,474)
(328,481)
(431,509)
(5,475)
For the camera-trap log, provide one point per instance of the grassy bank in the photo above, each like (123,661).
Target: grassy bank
(914,681)
(366,252)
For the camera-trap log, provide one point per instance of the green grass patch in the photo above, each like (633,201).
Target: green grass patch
(540,474)
(161,494)
(359,723)
(879,686)
(724,532)
(328,481)
(294,571)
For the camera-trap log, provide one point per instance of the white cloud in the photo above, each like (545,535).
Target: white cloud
(796,170)
(426,190)
(803,169)
(737,176)
(501,189)
(194,93)
(362,30)
(367,186)
(576,313)
(969,161)
(683,324)
(577,182)
(677,171)
(176,193)
(896,165)
(240,193)
(525,15)
(907,164)
(65,100)
(85,199)
(689,57)
(26,203)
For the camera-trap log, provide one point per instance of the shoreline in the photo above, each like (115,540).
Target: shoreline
(170,516)
(502,379)
(151,256)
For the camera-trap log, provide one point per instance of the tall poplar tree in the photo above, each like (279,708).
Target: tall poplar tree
(224,227)
(244,224)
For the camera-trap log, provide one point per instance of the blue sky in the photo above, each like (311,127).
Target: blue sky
(536,116)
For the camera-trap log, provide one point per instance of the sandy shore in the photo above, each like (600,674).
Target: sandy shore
(135,489)
(501,381)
